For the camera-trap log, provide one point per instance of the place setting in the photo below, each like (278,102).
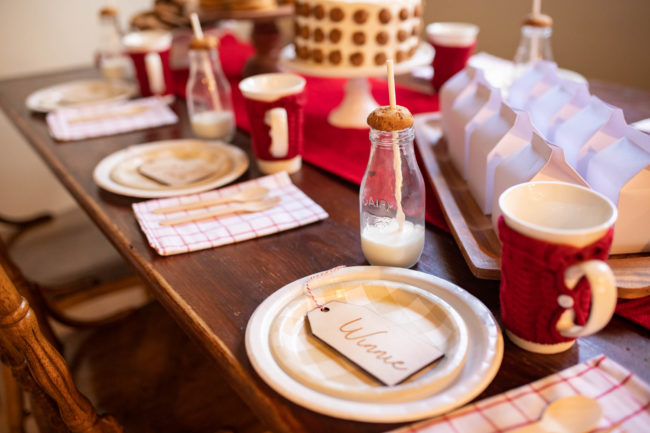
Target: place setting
(307,371)
(170,168)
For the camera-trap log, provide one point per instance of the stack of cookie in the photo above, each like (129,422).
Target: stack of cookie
(166,15)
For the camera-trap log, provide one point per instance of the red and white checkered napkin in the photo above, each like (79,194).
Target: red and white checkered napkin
(295,210)
(624,398)
(96,120)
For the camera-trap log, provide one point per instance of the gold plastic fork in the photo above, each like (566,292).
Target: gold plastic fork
(251,206)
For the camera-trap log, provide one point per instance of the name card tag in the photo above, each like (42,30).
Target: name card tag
(383,349)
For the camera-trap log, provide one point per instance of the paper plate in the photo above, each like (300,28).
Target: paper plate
(311,362)
(482,362)
(118,172)
(78,93)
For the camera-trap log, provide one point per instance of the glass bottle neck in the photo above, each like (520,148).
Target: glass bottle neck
(536,32)
(197,56)
(403,137)
(110,35)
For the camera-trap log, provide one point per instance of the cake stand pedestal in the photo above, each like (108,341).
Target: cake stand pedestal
(358,101)
(265,35)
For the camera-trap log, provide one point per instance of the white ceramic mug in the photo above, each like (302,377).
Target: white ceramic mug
(454,44)
(150,50)
(274,103)
(567,216)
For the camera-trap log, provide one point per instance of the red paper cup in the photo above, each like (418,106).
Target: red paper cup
(149,51)
(275,107)
(454,43)
(555,284)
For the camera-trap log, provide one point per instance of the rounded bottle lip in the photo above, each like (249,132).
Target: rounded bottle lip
(534,30)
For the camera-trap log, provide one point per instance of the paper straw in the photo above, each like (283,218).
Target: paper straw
(537,7)
(212,84)
(391,83)
(196,25)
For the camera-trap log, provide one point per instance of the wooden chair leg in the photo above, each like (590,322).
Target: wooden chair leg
(32,358)
(13,402)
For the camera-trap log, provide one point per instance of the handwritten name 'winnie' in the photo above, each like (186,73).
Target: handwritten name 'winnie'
(363,341)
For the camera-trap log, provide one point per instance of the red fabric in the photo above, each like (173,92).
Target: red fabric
(532,278)
(294,105)
(141,72)
(636,310)
(448,61)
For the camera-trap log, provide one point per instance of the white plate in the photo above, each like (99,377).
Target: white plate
(78,93)
(483,358)
(422,56)
(125,162)
(314,364)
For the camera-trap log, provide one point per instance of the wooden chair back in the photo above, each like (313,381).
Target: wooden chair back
(39,368)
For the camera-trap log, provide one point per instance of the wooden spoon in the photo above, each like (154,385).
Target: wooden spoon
(577,414)
(251,206)
(249,194)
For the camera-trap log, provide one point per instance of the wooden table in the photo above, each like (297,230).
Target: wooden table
(212,293)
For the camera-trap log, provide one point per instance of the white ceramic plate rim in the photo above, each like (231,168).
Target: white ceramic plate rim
(422,56)
(439,377)
(483,360)
(33,100)
(102,172)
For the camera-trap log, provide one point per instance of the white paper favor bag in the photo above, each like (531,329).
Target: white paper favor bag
(467,113)
(621,171)
(557,105)
(532,84)
(457,87)
(498,137)
(576,131)
(614,129)
(536,161)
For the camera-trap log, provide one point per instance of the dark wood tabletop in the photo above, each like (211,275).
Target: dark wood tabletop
(212,293)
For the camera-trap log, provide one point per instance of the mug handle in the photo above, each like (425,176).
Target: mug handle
(603,297)
(154,67)
(277,120)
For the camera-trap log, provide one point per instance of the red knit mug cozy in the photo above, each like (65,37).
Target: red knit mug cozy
(533,278)
(142,73)
(260,130)
(448,61)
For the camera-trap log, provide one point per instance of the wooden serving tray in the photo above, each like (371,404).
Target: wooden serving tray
(473,230)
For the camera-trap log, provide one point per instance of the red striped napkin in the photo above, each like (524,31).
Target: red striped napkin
(295,209)
(96,120)
(624,398)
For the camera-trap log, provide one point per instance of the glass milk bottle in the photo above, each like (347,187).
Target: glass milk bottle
(391,197)
(535,43)
(208,93)
(112,61)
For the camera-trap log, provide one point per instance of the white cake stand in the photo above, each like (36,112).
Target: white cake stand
(358,101)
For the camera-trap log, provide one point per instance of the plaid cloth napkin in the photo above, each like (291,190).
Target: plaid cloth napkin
(295,210)
(96,120)
(624,398)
